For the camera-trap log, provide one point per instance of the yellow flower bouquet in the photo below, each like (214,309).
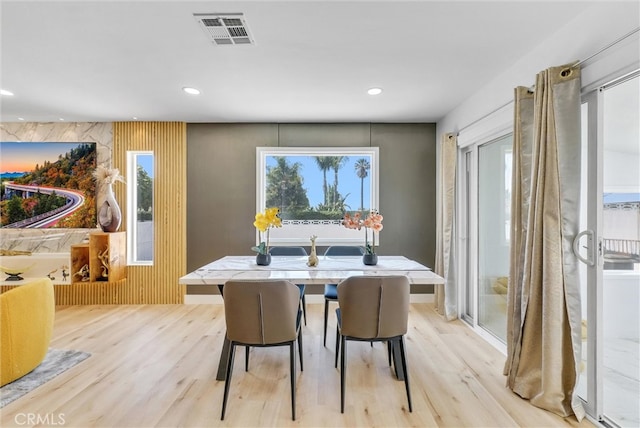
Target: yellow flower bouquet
(264,222)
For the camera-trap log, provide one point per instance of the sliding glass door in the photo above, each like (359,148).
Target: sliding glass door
(494,211)
(609,246)
(620,206)
(484,216)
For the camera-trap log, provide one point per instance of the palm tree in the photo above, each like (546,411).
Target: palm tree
(285,187)
(337,162)
(362,171)
(324,164)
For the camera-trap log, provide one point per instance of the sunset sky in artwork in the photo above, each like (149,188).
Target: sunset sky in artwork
(22,157)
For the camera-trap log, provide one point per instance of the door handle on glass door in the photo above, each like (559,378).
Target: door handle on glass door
(590,247)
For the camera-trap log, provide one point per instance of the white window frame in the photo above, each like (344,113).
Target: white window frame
(132,208)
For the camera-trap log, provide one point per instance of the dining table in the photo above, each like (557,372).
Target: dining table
(328,270)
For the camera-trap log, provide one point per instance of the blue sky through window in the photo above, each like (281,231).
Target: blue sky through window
(348,181)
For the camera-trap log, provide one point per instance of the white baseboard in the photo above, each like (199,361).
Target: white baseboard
(202,299)
(216,299)
(422,298)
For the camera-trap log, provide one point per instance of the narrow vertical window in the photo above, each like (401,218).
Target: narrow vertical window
(140,174)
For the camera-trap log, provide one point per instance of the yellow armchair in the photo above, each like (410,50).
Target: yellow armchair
(26,324)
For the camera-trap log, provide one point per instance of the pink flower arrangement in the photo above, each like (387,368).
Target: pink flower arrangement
(373,221)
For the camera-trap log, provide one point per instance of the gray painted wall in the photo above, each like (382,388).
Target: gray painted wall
(221,183)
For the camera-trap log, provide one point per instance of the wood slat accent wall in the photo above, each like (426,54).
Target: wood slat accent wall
(157,284)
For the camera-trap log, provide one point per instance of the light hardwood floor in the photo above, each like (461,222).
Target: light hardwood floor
(155,365)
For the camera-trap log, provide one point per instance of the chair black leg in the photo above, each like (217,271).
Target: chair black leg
(342,372)
(389,346)
(304,309)
(292,360)
(300,349)
(326,317)
(337,345)
(246,358)
(406,371)
(397,358)
(227,380)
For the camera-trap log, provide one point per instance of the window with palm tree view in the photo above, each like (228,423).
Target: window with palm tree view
(314,188)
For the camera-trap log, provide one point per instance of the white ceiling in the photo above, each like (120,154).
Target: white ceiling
(312,60)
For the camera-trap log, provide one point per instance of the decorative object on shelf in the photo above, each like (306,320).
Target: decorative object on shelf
(109,214)
(103,256)
(50,275)
(264,222)
(14,273)
(83,273)
(313,257)
(373,221)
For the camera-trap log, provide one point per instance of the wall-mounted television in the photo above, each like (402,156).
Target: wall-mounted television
(47,185)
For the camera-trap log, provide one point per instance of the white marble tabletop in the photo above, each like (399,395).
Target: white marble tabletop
(330,269)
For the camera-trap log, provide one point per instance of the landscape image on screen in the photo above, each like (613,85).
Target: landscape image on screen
(47,185)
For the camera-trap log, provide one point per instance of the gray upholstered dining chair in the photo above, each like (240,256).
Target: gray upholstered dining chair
(294,251)
(262,314)
(372,309)
(330,294)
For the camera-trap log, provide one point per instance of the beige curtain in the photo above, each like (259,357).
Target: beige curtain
(543,308)
(445,294)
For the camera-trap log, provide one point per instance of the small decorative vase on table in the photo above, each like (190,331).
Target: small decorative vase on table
(263,259)
(370,259)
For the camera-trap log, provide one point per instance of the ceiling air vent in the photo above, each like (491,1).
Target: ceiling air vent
(225,29)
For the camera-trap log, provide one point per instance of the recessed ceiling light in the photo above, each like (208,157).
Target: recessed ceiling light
(61,118)
(191,91)
(5,92)
(374,91)
(21,118)
(134,118)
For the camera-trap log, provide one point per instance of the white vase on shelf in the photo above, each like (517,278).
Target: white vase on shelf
(109,214)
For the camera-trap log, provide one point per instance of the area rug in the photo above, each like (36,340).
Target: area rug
(55,362)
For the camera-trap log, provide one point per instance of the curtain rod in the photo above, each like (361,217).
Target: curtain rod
(615,42)
(590,57)
(484,117)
